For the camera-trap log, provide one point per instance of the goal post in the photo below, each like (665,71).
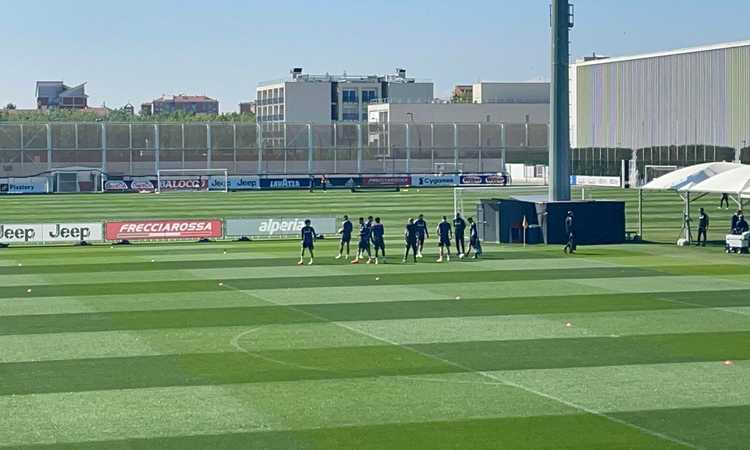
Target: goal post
(77,179)
(466,199)
(192,180)
(652,171)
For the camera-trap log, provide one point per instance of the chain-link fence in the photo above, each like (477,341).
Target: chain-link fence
(286,148)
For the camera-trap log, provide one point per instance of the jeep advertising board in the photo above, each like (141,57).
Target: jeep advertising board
(146,230)
(287,226)
(43,233)
(236,183)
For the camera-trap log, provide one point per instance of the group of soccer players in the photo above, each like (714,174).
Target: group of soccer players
(372,235)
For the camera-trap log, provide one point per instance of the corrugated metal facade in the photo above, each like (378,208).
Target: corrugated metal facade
(695,97)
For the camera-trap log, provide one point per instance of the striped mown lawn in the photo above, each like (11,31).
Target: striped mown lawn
(231,345)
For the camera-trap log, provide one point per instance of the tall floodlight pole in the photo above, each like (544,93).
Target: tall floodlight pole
(559,133)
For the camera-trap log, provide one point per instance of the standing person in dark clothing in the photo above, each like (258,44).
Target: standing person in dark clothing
(346,236)
(308,242)
(724,200)
(422,233)
(474,239)
(570,230)
(365,234)
(459,227)
(703,224)
(324,182)
(410,237)
(312,183)
(742,226)
(378,240)
(735,219)
(444,234)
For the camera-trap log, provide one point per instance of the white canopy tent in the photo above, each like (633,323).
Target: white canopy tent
(687,177)
(701,179)
(735,182)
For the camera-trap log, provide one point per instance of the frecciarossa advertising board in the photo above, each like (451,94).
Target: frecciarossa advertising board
(147,230)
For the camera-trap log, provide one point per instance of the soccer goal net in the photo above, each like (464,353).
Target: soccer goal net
(192,180)
(652,172)
(77,179)
(466,200)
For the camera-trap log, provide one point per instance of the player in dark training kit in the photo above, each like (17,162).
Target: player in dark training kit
(411,235)
(308,242)
(421,226)
(474,243)
(346,236)
(365,234)
(459,227)
(378,240)
(444,234)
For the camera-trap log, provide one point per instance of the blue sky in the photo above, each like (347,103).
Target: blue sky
(137,50)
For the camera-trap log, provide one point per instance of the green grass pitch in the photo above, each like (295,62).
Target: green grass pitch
(230,345)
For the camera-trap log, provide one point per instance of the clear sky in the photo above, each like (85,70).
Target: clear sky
(136,50)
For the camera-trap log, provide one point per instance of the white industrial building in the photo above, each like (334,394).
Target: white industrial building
(537,113)
(525,92)
(325,99)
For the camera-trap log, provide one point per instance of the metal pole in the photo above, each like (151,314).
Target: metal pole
(640,213)
(559,184)
(157,147)
(359,148)
(234,147)
(130,149)
(49,147)
(408,148)
(209,150)
(455,147)
(259,144)
(503,148)
(22,145)
(309,149)
(104,146)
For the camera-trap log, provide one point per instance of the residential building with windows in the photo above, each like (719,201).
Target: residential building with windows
(247,108)
(325,99)
(191,104)
(56,94)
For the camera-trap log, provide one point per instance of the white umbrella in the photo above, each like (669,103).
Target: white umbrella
(736,181)
(687,177)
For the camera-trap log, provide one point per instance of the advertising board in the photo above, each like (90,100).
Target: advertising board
(41,233)
(30,185)
(284,226)
(386,181)
(162,229)
(427,180)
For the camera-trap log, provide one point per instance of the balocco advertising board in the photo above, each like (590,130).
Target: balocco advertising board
(147,230)
(386,181)
(581,180)
(286,226)
(183,183)
(54,233)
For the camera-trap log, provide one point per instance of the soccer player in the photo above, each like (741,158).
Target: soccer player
(378,232)
(365,234)
(459,226)
(411,235)
(308,242)
(422,233)
(474,239)
(570,229)
(703,224)
(444,234)
(346,236)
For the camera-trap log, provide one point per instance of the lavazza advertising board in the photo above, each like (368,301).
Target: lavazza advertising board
(50,233)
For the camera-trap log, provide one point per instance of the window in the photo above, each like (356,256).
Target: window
(369,95)
(350,114)
(349,96)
